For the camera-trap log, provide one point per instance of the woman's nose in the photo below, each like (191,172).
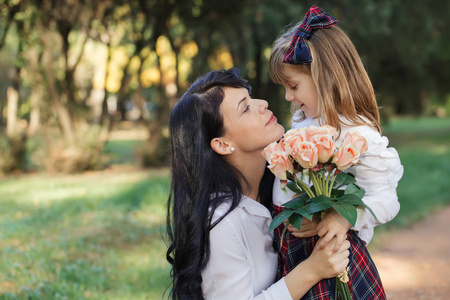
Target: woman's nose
(263,106)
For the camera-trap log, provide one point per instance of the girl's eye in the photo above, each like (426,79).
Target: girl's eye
(293,87)
(247,108)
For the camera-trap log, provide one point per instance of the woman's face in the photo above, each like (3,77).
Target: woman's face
(301,90)
(248,124)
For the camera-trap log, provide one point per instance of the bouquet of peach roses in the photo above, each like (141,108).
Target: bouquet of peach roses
(311,161)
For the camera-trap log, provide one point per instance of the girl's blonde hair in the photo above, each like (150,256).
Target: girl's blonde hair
(343,85)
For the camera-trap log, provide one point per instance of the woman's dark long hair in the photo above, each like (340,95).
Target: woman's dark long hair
(201,179)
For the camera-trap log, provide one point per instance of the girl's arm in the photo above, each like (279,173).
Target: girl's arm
(378,173)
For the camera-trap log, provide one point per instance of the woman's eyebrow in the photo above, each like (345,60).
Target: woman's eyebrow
(240,101)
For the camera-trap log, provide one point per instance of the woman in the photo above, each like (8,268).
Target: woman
(218,216)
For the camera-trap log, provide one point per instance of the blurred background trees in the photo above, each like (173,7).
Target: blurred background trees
(73,70)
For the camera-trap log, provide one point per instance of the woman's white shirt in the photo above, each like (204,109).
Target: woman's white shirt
(378,173)
(242,263)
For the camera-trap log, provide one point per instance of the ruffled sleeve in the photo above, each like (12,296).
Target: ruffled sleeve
(378,173)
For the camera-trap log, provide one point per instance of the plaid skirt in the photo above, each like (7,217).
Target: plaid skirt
(364,280)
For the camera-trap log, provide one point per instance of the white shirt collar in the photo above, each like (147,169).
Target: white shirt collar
(253,207)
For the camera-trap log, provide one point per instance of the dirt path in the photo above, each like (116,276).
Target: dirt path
(414,263)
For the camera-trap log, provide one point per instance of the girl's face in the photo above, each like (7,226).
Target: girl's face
(249,125)
(301,90)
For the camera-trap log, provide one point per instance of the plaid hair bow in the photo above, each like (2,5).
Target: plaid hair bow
(298,53)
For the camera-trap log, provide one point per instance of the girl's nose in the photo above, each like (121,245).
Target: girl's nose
(288,97)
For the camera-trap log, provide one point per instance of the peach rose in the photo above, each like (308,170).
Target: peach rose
(331,131)
(292,137)
(346,157)
(325,146)
(278,159)
(305,153)
(275,146)
(311,131)
(357,140)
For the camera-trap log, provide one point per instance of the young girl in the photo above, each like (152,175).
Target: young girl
(218,216)
(326,81)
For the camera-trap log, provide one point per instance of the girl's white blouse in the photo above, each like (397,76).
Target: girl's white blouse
(242,263)
(378,173)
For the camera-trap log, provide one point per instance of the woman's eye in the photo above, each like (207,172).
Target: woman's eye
(247,108)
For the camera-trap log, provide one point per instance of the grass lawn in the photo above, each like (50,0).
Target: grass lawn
(424,148)
(90,236)
(99,235)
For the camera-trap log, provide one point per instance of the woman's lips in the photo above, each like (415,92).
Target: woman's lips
(272,119)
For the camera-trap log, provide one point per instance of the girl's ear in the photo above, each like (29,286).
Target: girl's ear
(221,146)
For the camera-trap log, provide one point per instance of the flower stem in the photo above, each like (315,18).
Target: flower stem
(315,182)
(283,233)
(331,184)
(343,290)
(305,187)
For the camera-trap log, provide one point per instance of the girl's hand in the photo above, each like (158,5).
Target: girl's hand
(308,228)
(333,226)
(325,262)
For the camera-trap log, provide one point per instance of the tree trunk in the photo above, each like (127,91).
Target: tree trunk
(12,96)
(106,119)
(156,150)
(64,118)
(123,90)
(15,131)
(35,114)
(16,136)
(36,97)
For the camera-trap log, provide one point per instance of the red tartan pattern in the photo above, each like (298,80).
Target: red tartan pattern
(364,284)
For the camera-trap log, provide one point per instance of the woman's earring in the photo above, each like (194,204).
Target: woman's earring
(232,149)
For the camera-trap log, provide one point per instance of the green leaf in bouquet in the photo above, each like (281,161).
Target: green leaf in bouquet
(337,193)
(347,211)
(296,220)
(343,179)
(297,202)
(293,186)
(304,212)
(355,190)
(285,214)
(352,199)
(319,203)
